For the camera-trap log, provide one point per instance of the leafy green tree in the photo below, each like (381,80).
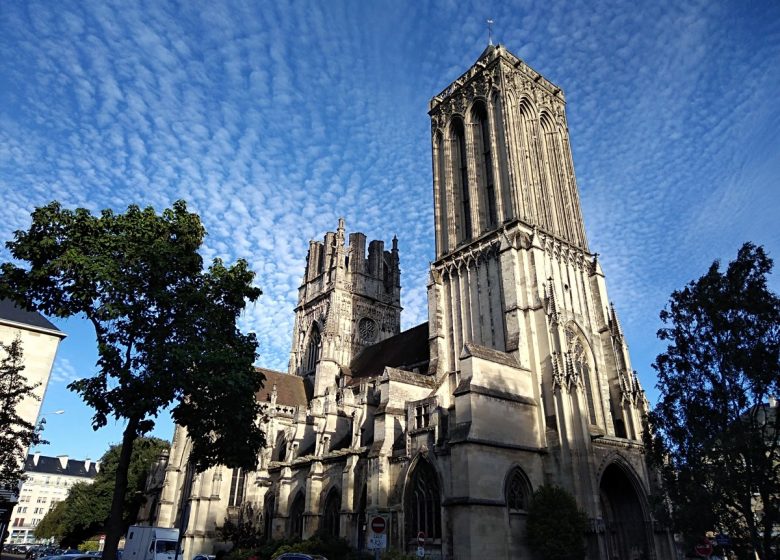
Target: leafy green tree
(17,435)
(714,432)
(556,526)
(86,510)
(54,524)
(165,328)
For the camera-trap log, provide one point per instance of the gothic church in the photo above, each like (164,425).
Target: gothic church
(521,376)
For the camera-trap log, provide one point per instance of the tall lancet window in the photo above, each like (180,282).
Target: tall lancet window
(444,211)
(312,350)
(460,175)
(485,176)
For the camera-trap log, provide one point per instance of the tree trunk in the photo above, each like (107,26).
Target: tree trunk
(114,526)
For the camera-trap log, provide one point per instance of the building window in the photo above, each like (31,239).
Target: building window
(518,491)
(296,516)
(270,509)
(330,513)
(279,452)
(313,349)
(482,129)
(422,508)
(422,416)
(237,482)
(461,175)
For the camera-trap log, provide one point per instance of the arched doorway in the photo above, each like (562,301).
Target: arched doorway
(624,520)
(422,507)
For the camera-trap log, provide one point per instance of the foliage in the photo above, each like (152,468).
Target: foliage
(245,532)
(17,435)
(330,547)
(53,524)
(556,526)
(712,434)
(89,546)
(395,554)
(86,509)
(166,329)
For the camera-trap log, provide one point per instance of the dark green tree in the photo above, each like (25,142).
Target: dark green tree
(556,526)
(54,524)
(165,327)
(86,510)
(16,434)
(713,434)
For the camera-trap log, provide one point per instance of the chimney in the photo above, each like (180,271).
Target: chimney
(87,464)
(772,402)
(36,456)
(63,461)
(97,466)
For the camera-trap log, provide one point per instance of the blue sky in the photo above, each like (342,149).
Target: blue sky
(272,119)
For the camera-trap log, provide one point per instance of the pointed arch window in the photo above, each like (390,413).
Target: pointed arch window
(296,516)
(485,155)
(330,513)
(461,175)
(269,511)
(280,449)
(313,347)
(518,491)
(422,509)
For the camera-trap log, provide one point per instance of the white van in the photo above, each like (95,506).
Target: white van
(150,543)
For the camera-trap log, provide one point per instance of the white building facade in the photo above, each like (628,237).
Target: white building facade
(47,482)
(39,341)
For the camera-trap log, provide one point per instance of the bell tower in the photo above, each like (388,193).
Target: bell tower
(501,153)
(513,273)
(346,302)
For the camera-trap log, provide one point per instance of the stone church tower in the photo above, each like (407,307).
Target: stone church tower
(346,302)
(522,333)
(520,378)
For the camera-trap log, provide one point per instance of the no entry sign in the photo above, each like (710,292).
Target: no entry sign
(377,535)
(378,524)
(704,549)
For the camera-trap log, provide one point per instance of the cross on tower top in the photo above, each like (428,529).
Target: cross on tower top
(490,31)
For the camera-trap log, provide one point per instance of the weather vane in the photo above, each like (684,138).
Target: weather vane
(490,31)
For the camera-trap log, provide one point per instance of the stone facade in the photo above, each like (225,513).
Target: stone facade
(521,377)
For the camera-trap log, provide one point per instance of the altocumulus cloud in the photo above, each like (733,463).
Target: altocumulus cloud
(274,120)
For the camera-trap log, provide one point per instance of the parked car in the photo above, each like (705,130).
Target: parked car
(204,557)
(299,556)
(71,556)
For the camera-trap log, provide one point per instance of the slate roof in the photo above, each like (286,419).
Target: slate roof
(52,465)
(406,350)
(12,313)
(290,389)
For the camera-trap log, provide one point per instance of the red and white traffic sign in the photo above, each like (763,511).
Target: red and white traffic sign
(377,536)
(704,549)
(420,538)
(378,524)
